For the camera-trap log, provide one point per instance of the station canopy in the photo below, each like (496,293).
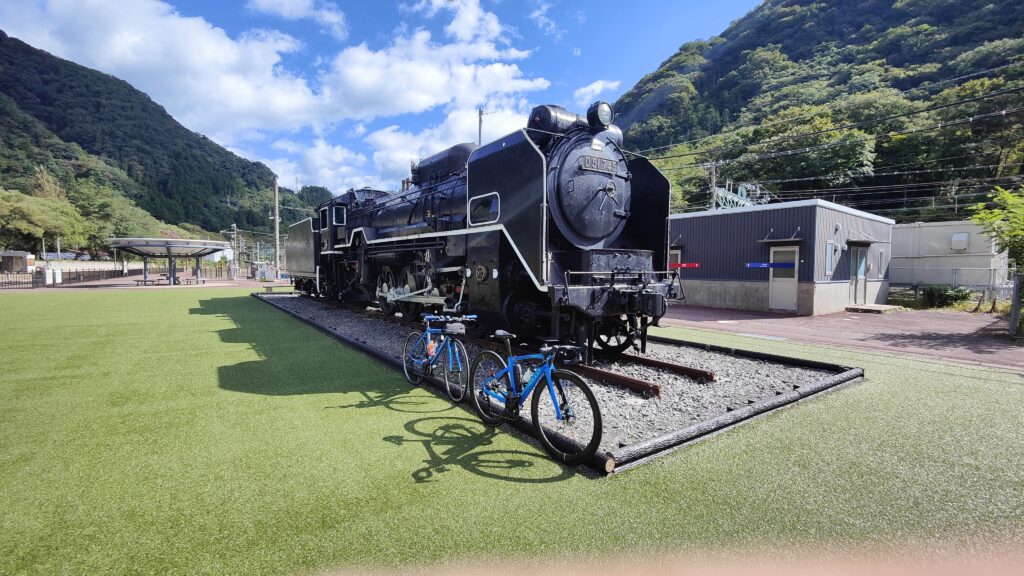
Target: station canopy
(168,247)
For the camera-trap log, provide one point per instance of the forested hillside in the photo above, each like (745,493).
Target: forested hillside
(85,156)
(910,107)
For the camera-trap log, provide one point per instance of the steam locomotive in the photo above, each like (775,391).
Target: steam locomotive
(550,232)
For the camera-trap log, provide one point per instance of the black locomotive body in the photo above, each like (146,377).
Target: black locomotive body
(549,232)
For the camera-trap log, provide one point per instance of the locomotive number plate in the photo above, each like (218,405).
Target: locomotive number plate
(595,164)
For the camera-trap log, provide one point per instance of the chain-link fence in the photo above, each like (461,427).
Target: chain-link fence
(996,282)
(1017,307)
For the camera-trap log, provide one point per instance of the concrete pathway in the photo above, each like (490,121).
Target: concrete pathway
(960,336)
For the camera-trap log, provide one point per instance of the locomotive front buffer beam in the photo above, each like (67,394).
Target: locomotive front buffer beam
(647,303)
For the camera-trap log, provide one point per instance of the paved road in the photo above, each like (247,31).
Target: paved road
(960,336)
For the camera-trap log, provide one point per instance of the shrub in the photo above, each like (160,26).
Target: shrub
(941,296)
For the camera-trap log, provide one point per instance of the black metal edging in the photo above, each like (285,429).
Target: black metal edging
(599,462)
(630,456)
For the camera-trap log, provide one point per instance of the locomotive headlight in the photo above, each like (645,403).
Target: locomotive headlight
(599,115)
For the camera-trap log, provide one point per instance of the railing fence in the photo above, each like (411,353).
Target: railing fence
(39,279)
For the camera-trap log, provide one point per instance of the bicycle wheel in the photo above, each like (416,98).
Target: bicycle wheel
(485,386)
(456,371)
(573,438)
(414,358)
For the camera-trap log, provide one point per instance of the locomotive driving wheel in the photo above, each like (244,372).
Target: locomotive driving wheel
(406,278)
(385,282)
(614,334)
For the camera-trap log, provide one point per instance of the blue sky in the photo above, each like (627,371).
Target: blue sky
(346,94)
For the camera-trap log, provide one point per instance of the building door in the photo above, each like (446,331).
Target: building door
(782,285)
(858,274)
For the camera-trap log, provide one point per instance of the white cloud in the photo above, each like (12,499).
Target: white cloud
(394,148)
(327,14)
(546,25)
(223,87)
(237,89)
(470,21)
(576,51)
(320,163)
(416,74)
(586,95)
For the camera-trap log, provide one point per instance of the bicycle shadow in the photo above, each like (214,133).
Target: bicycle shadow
(398,400)
(454,442)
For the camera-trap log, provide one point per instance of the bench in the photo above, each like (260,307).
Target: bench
(190,281)
(146,282)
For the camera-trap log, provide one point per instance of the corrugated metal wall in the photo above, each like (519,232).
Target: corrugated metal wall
(723,242)
(851,229)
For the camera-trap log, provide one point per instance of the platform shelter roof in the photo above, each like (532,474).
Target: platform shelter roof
(168,247)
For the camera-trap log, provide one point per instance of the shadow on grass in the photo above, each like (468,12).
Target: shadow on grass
(294,365)
(454,442)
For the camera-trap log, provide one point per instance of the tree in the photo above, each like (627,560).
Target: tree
(1004,222)
(25,219)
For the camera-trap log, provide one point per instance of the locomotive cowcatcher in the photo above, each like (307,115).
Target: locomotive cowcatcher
(549,232)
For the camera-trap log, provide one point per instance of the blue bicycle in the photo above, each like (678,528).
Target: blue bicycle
(566,418)
(423,351)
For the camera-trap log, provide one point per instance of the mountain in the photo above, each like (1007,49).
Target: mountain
(117,157)
(804,98)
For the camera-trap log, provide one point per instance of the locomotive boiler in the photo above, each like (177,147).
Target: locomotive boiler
(552,232)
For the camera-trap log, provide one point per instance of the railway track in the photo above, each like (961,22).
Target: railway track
(607,376)
(637,426)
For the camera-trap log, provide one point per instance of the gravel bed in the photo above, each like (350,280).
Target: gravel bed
(628,417)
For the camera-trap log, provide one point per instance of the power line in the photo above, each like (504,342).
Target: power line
(879,174)
(849,125)
(900,186)
(781,153)
(846,103)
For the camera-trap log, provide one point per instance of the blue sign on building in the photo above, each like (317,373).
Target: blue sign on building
(771,265)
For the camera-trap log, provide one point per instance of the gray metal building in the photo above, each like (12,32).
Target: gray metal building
(807,257)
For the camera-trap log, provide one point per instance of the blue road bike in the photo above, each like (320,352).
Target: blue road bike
(439,344)
(564,409)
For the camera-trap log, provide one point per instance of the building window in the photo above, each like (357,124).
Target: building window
(959,240)
(829,248)
(881,263)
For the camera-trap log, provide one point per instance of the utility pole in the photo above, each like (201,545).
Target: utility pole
(714,186)
(234,251)
(480,126)
(58,248)
(277,234)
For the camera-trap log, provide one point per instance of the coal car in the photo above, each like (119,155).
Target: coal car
(551,232)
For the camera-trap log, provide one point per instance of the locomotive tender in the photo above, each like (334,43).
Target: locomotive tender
(549,232)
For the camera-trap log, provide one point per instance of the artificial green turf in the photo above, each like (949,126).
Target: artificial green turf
(202,431)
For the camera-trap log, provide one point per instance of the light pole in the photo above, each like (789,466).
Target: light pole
(277,234)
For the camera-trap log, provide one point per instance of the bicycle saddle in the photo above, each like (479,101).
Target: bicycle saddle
(502,335)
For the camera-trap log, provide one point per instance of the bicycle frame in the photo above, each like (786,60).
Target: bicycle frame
(454,360)
(544,371)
